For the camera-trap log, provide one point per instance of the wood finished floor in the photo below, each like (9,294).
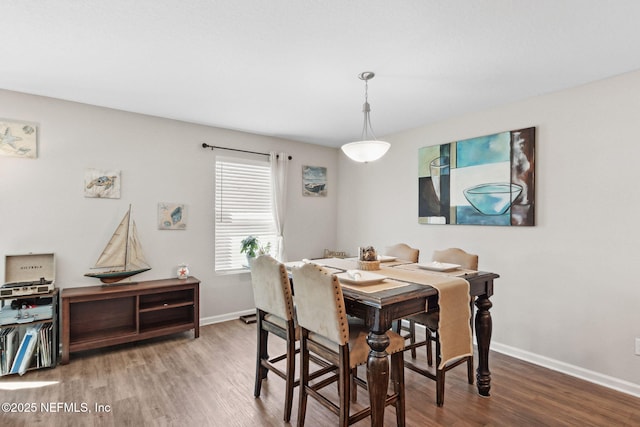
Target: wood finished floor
(179,381)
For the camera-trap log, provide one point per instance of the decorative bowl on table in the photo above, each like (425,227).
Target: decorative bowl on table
(368,259)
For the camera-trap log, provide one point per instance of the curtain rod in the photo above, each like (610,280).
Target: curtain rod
(205,145)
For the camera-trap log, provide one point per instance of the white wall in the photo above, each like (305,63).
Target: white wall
(43,209)
(567,297)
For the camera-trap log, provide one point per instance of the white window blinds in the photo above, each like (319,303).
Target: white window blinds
(243,207)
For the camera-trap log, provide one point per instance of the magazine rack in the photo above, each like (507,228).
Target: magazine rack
(28,332)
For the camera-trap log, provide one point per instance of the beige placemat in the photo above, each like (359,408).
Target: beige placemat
(456,272)
(369,289)
(341,263)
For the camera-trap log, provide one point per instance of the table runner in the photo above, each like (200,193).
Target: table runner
(453,299)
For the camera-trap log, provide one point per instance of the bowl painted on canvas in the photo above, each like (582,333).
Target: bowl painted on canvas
(493,198)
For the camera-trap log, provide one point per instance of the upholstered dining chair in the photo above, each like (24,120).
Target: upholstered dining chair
(274,314)
(456,256)
(403,252)
(464,260)
(431,319)
(325,331)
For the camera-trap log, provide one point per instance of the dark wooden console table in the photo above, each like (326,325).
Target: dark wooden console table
(100,316)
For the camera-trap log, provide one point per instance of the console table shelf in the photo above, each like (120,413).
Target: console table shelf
(100,316)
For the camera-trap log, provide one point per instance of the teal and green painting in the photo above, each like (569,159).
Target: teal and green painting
(487,180)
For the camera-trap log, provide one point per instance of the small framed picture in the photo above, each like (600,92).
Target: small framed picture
(314,181)
(172,216)
(103,184)
(18,139)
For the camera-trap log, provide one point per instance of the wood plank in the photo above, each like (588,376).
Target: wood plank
(177,380)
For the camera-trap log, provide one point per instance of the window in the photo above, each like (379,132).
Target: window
(242,207)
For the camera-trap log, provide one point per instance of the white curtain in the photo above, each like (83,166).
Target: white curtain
(279,165)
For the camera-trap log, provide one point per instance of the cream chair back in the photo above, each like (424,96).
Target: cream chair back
(457,256)
(403,251)
(320,304)
(271,287)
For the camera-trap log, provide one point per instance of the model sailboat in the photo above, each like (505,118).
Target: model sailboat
(123,254)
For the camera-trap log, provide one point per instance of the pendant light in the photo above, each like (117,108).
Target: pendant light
(368,148)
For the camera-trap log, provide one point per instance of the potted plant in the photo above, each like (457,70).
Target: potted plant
(251,246)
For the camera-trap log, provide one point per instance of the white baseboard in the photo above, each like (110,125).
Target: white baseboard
(225,317)
(575,371)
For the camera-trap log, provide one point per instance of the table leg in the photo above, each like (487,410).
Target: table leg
(484,327)
(377,375)
(66,333)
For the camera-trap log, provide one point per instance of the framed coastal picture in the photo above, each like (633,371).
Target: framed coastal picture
(104,184)
(487,180)
(172,216)
(314,181)
(18,139)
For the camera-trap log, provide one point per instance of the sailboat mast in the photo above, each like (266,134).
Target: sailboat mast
(126,246)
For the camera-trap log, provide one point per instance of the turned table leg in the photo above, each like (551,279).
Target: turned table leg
(377,375)
(484,327)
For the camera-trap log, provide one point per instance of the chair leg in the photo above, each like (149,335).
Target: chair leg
(345,385)
(412,337)
(397,377)
(354,387)
(440,387)
(304,379)
(261,354)
(429,339)
(438,354)
(470,369)
(290,375)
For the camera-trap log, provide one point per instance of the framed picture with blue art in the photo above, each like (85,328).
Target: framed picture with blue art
(172,216)
(18,139)
(487,180)
(314,181)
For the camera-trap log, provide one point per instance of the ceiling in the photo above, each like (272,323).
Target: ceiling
(289,68)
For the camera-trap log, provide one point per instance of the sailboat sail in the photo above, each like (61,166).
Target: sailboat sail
(113,254)
(135,257)
(123,254)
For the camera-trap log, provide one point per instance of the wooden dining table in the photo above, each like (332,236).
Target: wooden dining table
(381,307)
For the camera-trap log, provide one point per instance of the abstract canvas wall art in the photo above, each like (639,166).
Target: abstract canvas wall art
(488,180)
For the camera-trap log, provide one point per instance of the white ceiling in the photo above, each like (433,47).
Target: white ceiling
(289,68)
